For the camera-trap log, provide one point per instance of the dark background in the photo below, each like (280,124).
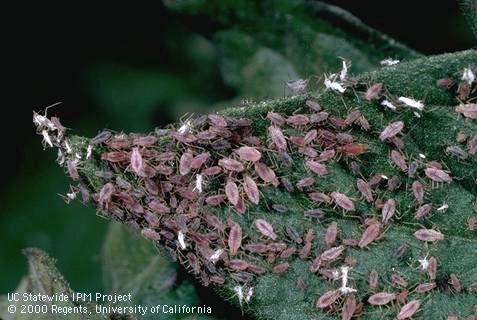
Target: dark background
(121,68)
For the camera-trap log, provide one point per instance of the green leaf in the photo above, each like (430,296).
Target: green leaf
(44,279)
(276,296)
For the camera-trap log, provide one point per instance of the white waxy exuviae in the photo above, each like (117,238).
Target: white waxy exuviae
(216,256)
(89,150)
(468,76)
(180,238)
(344,281)
(333,85)
(388,105)
(444,207)
(424,263)
(198,183)
(389,62)
(412,103)
(46,138)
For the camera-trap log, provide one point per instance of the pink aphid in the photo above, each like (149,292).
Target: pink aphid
(310,136)
(418,191)
(276,118)
(267,174)
(326,155)
(280,268)
(369,235)
(248,153)
(423,211)
(319,117)
(199,160)
(319,197)
(331,233)
(298,120)
(158,207)
(256,269)
(265,228)
(391,130)
(352,117)
(251,189)
(277,137)
(137,163)
(106,192)
(332,253)
(409,309)
(343,201)
(314,106)
(238,264)
(428,235)
(349,308)
(472,145)
(388,210)
(373,91)
(399,160)
(256,247)
(365,190)
(315,264)
(468,110)
(455,282)
(211,171)
(184,163)
(217,120)
(305,182)
(231,165)
(432,268)
(232,192)
(398,280)
(437,175)
(215,200)
(235,239)
(425,287)
(145,141)
(317,167)
(72,170)
(373,279)
(381,298)
(328,298)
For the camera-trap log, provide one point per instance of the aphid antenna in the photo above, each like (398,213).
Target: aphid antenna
(45,111)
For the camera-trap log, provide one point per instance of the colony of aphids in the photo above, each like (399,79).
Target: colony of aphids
(165,184)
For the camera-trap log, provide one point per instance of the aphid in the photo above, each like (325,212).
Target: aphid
(418,191)
(199,160)
(271,257)
(344,138)
(373,91)
(101,137)
(310,235)
(472,223)
(285,159)
(248,153)
(369,235)
(217,120)
(457,152)
(399,160)
(314,106)
(468,110)
(280,268)
(343,201)
(428,235)
(353,116)
(256,247)
(331,233)
(409,102)
(328,298)
(241,276)
(381,298)
(215,200)
(350,242)
(337,122)
(151,234)
(256,269)
(472,145)
(151,186)
(145,141)
(463,91)
(305,251)
(319,117)
(184,137)
(232,192)
(388,210)
(115,156)
(365,190)
(105,193)
(72,170)
(409,309)
(332,253)
(317,167)
(300,283)
(315,264)
(211,171)
(455,282)
(277,137)
(214,222)
(319,197)
(424,287)
(399,281)
(279,207)
(326,155)
(185,162)
(266,174)
(287,253)
(310,136)
(349,308)
(423,211)
(158,207)
(251,189)
(231,164)
(252,141)
(305,182)
(298,120)
(137,164)
(444,82)
(353,149)
(432,268)
(314,213)
(402,297)
(235,239)
(238,265)
(298,141)
(391,130)
(276,118)
(413,166)
(373,279)
(193,262)
(120,141)
(401,251)
(287,184)
(265,228)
